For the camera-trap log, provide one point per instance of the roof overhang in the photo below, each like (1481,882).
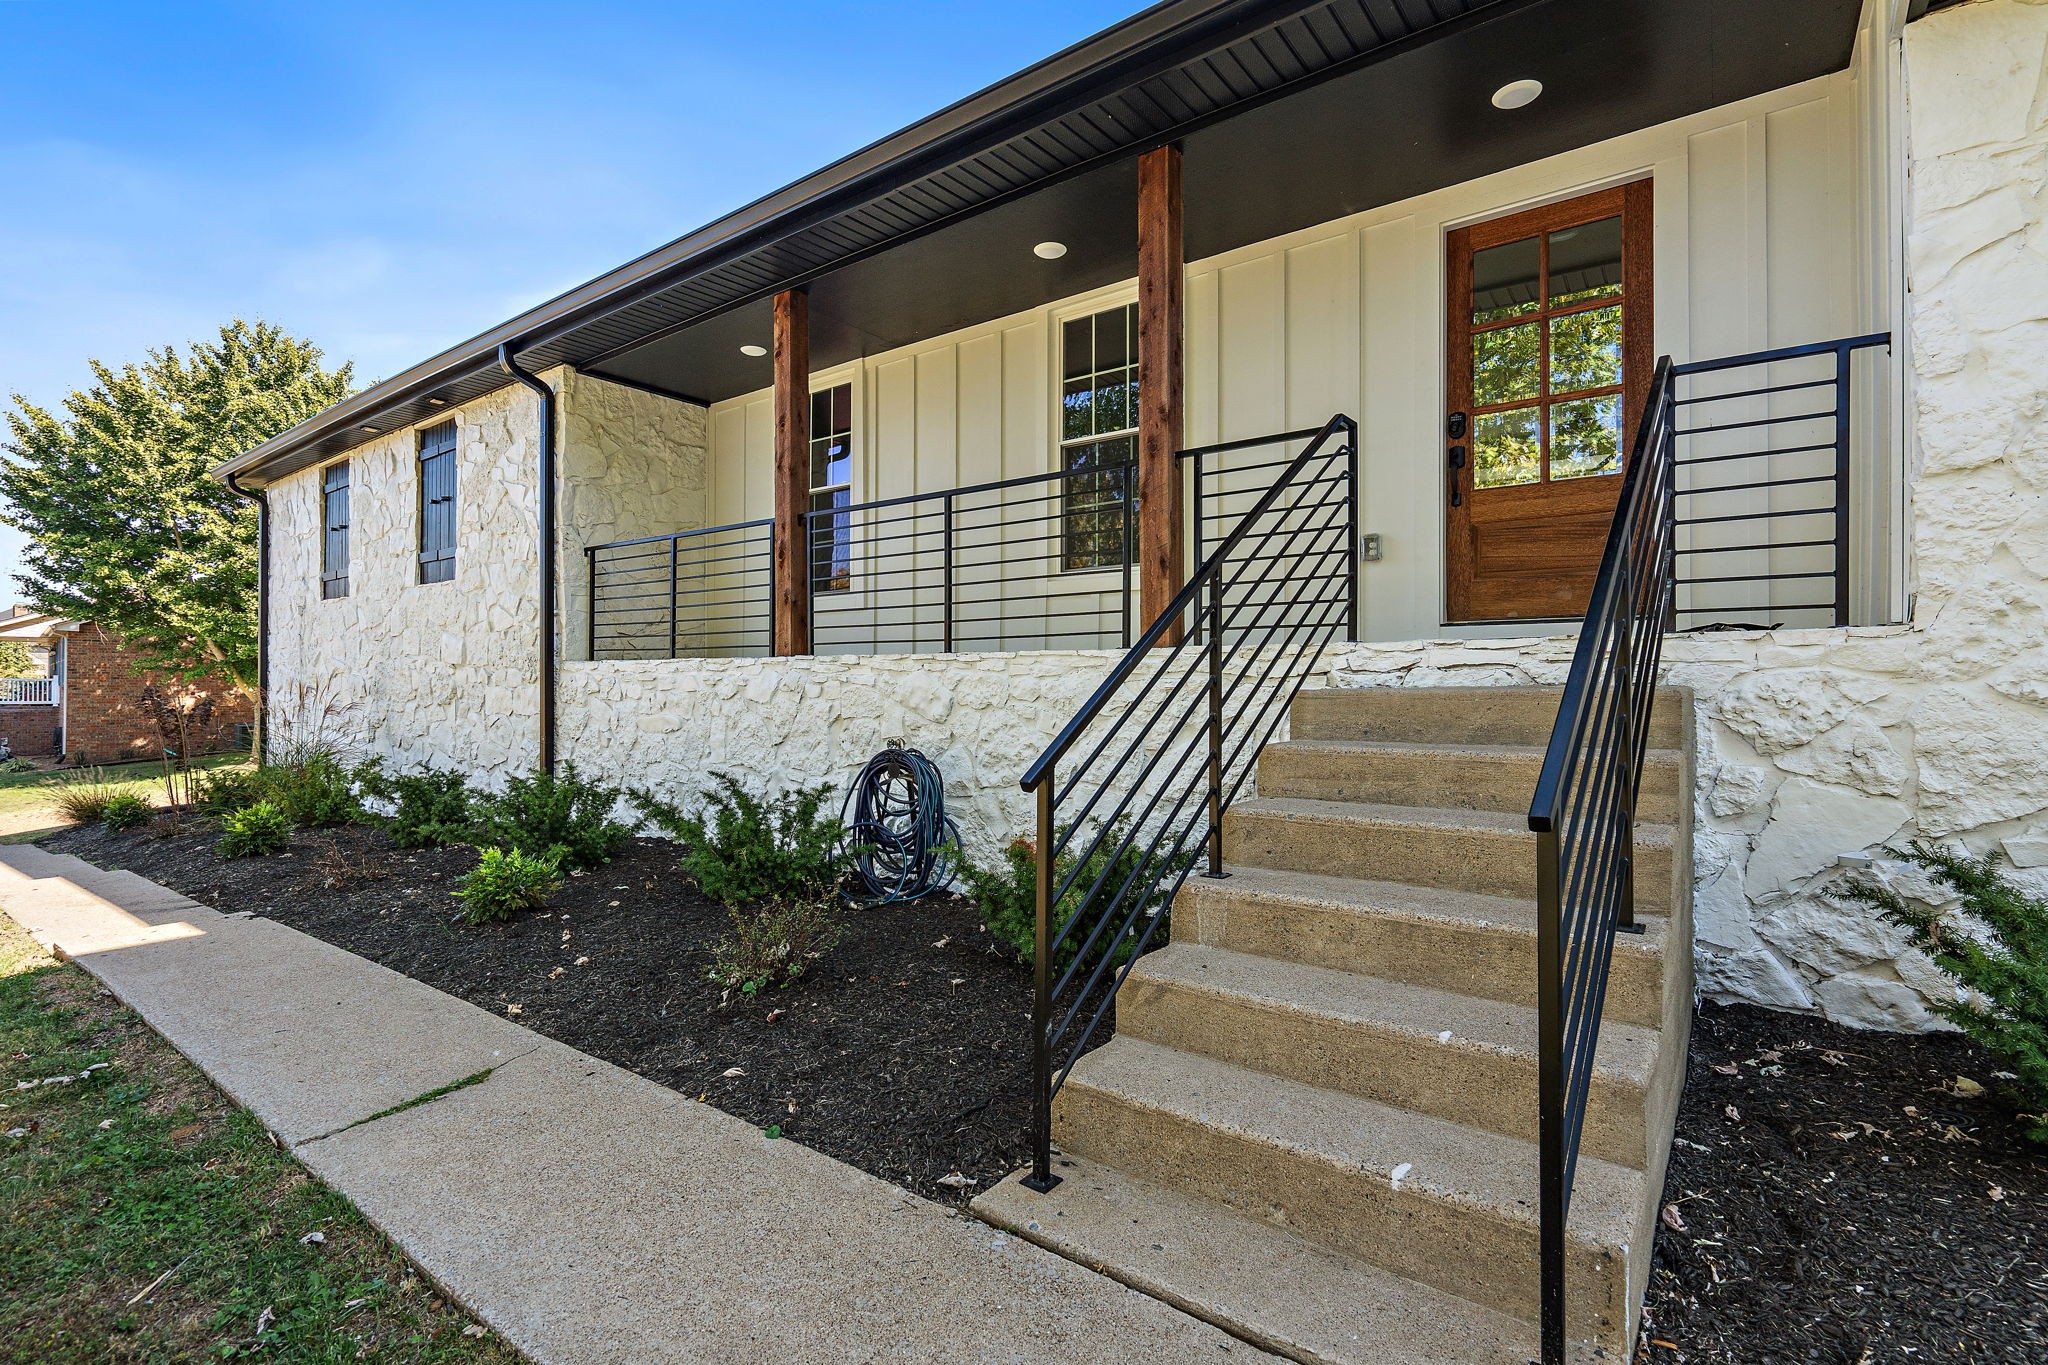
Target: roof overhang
(1291,113)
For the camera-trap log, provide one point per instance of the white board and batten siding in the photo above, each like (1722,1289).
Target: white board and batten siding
(1764,225)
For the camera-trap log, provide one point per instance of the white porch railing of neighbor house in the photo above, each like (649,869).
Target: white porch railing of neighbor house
(28,691)
(1770,459)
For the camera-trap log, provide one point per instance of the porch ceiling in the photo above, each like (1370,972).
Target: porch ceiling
(1290,114)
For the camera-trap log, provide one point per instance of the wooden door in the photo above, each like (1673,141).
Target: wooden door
(1549,367)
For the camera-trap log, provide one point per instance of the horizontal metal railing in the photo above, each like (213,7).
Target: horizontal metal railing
(691,595)
(1763,477)
(1039,562)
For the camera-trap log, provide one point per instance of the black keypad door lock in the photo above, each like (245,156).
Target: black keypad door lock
(1457,467)
(1455,428)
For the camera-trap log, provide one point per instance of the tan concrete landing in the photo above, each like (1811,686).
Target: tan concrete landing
(1276,1288)
(586,1214)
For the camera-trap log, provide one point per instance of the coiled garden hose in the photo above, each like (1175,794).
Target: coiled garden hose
(895,820)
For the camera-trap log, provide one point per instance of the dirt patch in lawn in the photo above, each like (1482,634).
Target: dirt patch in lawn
(1843,1197)
(902,1052)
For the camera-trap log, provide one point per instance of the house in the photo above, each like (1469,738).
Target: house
(1263,365)
(87,706)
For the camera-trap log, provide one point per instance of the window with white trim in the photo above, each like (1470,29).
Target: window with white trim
(1098,434)
(831,488)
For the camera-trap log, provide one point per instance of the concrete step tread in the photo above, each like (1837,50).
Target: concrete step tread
(1401,900)
(1446,748)
(1627,1053)
(1438,817)
(1255,1280)
(1487,1174)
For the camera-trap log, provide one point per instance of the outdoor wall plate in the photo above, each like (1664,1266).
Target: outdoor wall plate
(1369,547)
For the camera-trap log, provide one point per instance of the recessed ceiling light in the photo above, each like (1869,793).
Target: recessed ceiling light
(1516,94)
(751,349)
(1049,251)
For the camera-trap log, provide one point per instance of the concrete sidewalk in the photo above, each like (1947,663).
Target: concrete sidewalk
(586,1214)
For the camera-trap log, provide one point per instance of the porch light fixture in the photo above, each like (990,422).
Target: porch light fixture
(1049,251)
(751,349)
(437,401)
(1516,94)
(372,430)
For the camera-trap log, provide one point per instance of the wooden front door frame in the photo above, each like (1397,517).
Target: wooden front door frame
(1581,506)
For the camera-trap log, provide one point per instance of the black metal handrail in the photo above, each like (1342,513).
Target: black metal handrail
(1761,486)
(1043,561)
(691,594)
(1171,736)
(1583,815)
(1583,810)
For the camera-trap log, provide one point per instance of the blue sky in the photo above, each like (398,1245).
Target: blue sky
(389,179)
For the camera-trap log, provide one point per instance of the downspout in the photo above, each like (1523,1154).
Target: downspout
(262,501)
(547,552)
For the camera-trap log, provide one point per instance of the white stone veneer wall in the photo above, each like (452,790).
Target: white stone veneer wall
(1817,745)
(448,673)
(778,723)
(421,672)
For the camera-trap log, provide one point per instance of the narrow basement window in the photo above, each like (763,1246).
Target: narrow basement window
(334,547)
(437,503)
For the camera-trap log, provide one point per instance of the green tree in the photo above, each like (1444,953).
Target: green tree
(125,522)
(14,660)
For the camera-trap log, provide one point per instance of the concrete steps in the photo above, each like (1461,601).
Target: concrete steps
(1457,1057)
(1491,853)
(1315,1125)
(1453,940)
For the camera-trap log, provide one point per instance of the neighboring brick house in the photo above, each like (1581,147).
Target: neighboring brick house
(30,715)
(90,709)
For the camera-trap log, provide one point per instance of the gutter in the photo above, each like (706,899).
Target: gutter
(548,632)
(262,501)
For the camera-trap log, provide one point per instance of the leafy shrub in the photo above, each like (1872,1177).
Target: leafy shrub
(1007,896)
(314,793)
(743,848)
(771,946)
(545,812)
(83,796)
(2007,970)
(219,791)
(16,765)
(254,831)
(125,810)
(431,807)
(505,880)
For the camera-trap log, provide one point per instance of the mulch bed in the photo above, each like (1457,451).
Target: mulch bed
(1845,1197)
(1837,1197)
(903,1051)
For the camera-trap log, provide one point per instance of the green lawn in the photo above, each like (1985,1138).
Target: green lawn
(145,1218)
(21,793)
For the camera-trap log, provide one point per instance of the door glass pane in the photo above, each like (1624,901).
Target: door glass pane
(1585,349)
(1504,281)
(1506,448)
(1585,437)
(1585,262)
(1504,364)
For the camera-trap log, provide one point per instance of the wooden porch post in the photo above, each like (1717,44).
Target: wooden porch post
(1161,324)
(792,471)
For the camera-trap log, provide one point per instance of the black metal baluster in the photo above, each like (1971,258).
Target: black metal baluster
(1842,356)
(1041,1178)
(673,543)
